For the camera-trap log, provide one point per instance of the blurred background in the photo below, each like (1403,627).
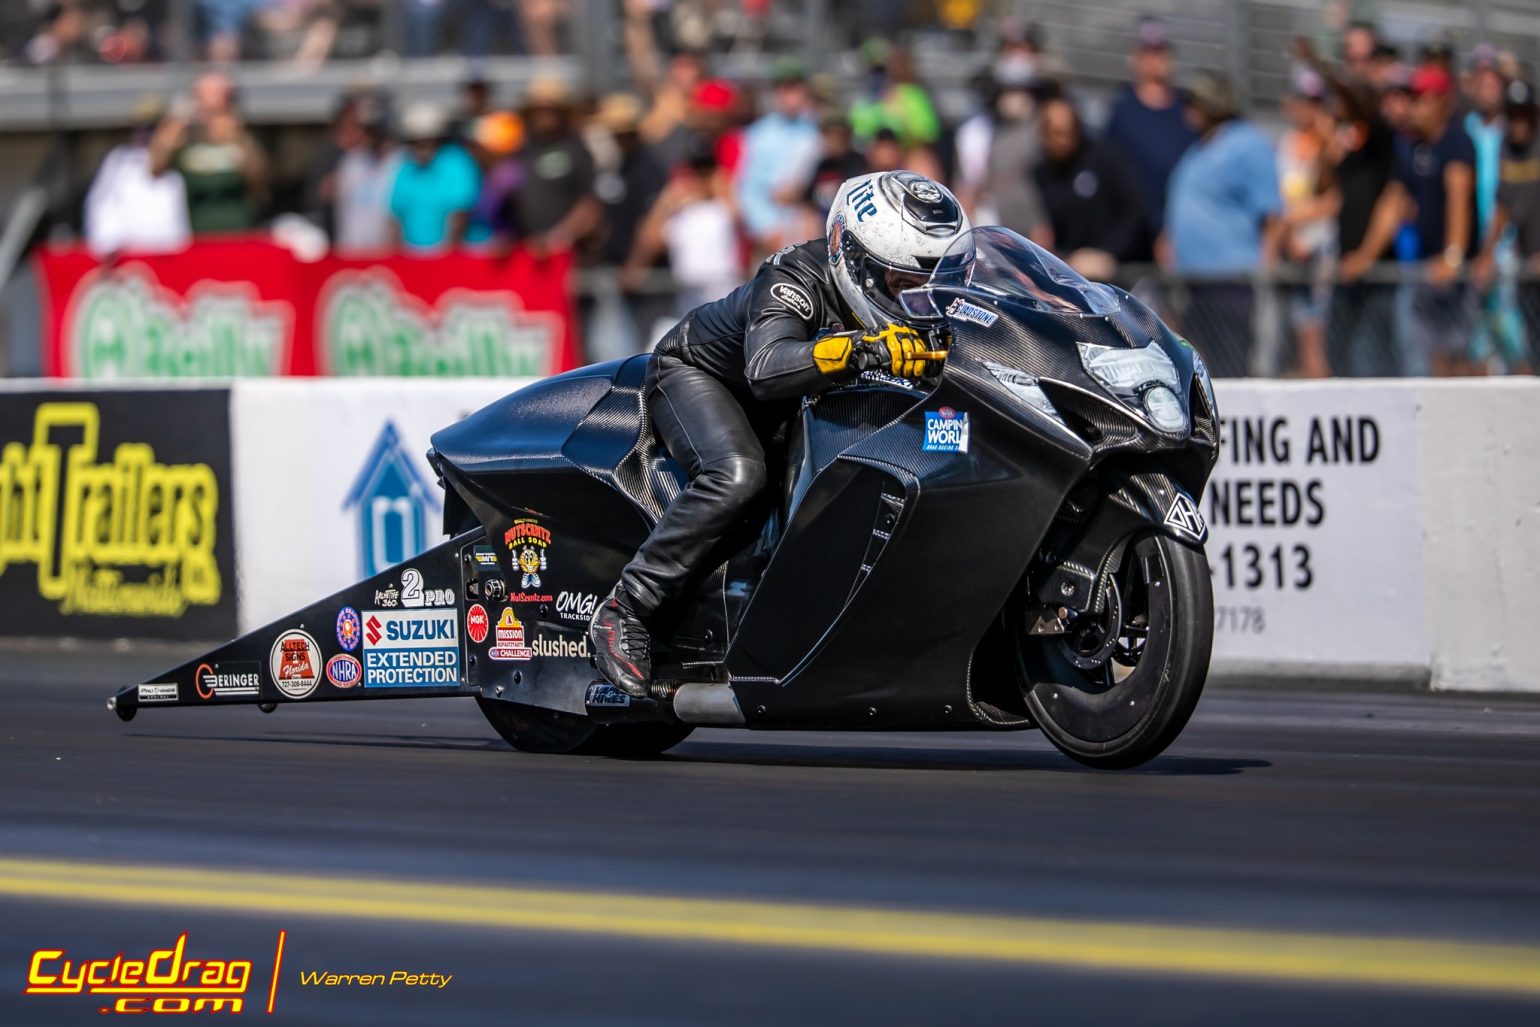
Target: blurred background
(1305,187)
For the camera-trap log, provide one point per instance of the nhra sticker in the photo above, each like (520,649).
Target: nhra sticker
(528,541)
(295,664)
(477,623)
(348,629)
(962,310)
(510,638)
(343,670)
(230,679)
(157,693)
(411,649)
(793,299)
(946,431)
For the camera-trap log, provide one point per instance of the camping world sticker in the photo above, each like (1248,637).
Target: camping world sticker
(411,649)
(946,431)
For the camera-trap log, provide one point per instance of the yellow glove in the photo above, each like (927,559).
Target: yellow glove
(899,350)
(832,353)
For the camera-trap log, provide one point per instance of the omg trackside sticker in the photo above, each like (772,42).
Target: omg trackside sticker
(946,431)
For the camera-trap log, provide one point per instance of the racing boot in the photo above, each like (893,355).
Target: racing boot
(622,647)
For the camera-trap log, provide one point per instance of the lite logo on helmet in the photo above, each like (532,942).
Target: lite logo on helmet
(863,199)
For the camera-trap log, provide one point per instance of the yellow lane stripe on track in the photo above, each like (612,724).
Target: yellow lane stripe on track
(1129,947)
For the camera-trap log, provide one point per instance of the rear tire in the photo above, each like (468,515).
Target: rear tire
(536,729)
(1130,708)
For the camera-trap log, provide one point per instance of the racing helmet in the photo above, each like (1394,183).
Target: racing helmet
(885,233)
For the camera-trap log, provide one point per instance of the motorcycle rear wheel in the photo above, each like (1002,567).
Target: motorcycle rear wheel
(1127,708)
(539,730)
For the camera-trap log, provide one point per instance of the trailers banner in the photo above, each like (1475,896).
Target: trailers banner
(251,308)
(116,514)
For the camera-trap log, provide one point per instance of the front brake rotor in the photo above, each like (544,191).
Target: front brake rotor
(1092,640)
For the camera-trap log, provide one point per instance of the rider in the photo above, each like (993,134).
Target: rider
(813,316)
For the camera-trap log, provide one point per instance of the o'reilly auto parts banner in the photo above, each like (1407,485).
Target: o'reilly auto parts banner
(251,309)
(1315,510)
(116,516)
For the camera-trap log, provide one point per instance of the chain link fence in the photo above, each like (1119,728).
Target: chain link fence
(1293,323)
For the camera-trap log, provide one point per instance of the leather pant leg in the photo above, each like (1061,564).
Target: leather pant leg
(706,429)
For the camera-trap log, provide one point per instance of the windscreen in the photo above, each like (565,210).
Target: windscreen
(997,264)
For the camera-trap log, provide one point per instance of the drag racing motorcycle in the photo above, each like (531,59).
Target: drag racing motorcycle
(1013,543)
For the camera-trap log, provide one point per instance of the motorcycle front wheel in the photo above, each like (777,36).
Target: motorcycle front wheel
(1119,687)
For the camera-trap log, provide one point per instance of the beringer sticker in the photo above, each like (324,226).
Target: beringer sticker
(295,663)
(793,298)
(230,679)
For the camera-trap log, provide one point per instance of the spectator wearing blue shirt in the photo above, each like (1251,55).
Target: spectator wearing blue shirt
(1498,329)
(780,151)
(436,185)
(1147,126)
(1223,212)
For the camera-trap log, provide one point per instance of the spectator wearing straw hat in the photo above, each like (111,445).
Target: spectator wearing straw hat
(556,208)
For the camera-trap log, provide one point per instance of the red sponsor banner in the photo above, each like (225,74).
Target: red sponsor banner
(243,308)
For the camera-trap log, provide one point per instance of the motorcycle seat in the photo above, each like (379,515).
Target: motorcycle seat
(592,419)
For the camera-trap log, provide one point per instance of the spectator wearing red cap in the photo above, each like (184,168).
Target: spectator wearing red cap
(1433,187)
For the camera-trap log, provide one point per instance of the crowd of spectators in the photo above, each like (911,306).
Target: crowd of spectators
(306,32)
(1380,233)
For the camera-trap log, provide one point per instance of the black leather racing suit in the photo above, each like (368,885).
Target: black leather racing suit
(730,366)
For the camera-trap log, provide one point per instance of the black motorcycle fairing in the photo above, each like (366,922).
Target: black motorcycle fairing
(916,517)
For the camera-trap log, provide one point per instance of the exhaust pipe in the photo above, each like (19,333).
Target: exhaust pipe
(715,705)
